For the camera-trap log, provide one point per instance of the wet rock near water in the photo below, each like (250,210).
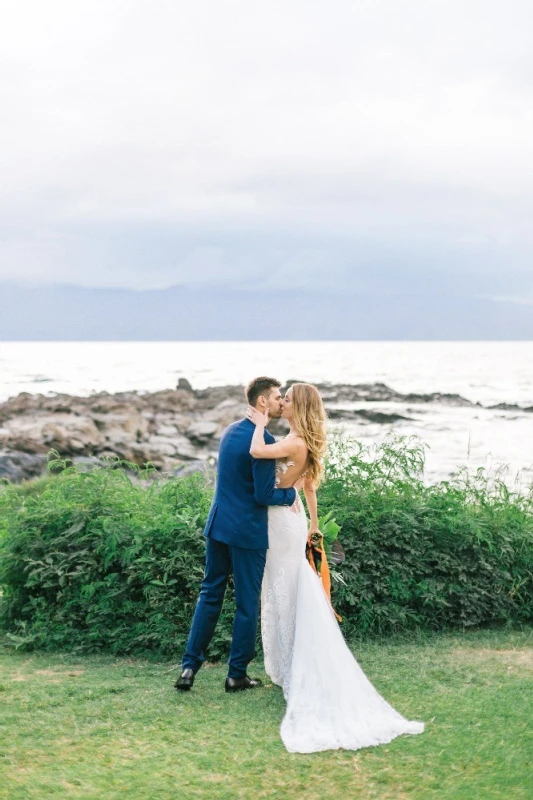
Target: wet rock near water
(511,407)
(380,392)
(370,415)
(173,429)
(168,428)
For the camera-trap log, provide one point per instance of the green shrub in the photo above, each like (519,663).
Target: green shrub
(93,560)
(97,561)
(458,553)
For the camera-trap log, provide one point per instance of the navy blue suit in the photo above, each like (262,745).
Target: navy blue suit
(237,541)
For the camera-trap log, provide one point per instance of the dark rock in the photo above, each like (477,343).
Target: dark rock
(380,416)
(17,467)
(168,427)
(201,432)
(206,468)
(510,407)
(363,413)
(438,397)
(208,399)
(343,392)
(380,392)
(184,384)
(86,463)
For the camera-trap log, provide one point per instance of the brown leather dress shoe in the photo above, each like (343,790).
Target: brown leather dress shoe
(238,684)
(185,681)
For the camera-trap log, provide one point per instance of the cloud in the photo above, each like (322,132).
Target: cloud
(519,301)
(160,143)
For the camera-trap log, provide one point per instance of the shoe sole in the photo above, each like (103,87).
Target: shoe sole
(240,688)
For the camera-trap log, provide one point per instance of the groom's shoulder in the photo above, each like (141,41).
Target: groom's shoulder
(236,428)
(246,428)
(240,424)
(236,437)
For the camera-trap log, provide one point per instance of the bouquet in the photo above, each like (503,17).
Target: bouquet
(322,548)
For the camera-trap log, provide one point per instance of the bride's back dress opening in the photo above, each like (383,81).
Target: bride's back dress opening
(331,703)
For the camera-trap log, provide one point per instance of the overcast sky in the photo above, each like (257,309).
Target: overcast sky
(373,146)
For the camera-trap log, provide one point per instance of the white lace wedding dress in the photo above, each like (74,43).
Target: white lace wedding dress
(330,701)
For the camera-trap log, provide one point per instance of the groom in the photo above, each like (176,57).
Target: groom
(237,541)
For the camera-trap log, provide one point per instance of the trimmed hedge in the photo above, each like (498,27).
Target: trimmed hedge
(97,561)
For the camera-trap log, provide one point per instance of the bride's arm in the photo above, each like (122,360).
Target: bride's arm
(310,497)
(259,448)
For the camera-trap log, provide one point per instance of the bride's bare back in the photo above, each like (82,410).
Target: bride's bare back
(296,466)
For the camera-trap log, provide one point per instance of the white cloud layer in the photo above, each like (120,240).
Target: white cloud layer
(158,142)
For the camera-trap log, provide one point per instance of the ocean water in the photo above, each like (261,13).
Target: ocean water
(483,372)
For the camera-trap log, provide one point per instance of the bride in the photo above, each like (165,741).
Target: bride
(330,701)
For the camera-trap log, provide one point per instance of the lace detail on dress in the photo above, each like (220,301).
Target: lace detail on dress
(281,468)
(279,591)
(277,627)
(278,595)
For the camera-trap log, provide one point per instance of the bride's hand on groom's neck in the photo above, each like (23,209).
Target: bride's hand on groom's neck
(257,417)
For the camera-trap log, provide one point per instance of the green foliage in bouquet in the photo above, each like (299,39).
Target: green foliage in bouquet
(329,531)
(327,525)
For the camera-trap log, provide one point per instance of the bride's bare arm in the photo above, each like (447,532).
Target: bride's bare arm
(258,447)
(310,497)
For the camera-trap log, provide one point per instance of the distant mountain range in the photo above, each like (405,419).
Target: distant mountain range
(63,313)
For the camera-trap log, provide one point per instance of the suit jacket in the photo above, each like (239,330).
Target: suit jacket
(245,487)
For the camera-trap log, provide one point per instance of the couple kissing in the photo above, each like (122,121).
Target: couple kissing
(257,530)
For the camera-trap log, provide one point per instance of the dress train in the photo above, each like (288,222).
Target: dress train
(330,702)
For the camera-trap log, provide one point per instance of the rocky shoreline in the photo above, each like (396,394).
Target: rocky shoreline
(176,430)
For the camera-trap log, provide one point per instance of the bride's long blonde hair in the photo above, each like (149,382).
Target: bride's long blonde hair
(309,417)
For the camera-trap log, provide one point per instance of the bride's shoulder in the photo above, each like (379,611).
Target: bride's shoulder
(297,443)
(297,438)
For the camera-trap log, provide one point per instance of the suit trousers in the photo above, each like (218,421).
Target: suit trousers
(247,567)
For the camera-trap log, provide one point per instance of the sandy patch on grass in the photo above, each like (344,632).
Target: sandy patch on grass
(216,777)
(18,675)
(512,659)
(47,673)
(52,674)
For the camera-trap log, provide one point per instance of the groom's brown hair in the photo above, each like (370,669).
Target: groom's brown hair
(260,386)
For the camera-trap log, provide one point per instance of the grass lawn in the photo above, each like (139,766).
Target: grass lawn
(106,727)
